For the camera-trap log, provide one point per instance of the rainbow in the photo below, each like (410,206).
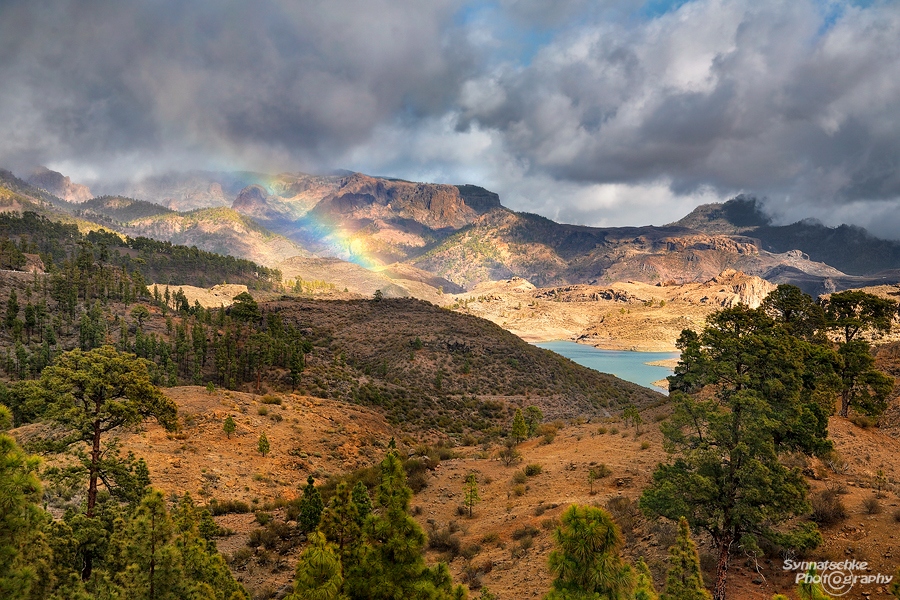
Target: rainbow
(330,239)
(334,240)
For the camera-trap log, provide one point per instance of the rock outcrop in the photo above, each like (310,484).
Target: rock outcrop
(744,289)
(59,185)
(436,206)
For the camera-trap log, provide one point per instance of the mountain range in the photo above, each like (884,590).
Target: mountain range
(424,239)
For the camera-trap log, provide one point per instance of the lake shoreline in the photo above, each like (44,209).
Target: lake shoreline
(648,369)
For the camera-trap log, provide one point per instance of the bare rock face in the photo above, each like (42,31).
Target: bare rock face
(434,205)
(59,185)
(252,201)
(745,289)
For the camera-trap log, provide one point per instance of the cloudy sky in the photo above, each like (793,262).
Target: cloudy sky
(602,112)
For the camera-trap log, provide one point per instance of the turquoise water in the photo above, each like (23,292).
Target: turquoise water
(626,365)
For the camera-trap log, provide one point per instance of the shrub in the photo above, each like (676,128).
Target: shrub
(601,471)
(444,540)
(519,477)
(532,470)
(271,399)
(864,421)
(519,490)
(549,524)
(509,455)
(470,551)
(827,508)
(524,531)
(240,557)
(493,537)
(225,507)
(645,445)
(871,505)
(262,411)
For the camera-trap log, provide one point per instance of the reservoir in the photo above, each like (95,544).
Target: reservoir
(630,366)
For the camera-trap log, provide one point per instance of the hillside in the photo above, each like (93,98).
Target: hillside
(219,230)
(505,545)
(463,374)
(462,234)
(119,209)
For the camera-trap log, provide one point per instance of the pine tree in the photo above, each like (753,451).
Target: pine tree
(587,561)
(262,444)
(533,418)
(471,497)
(684,580)
(97,392)
(21,519)
(362,501)
(204,568)
(726,476)
(146,562)
(229,426)
(311,507)
(318,575)
(643,583)
(393,563)
(810,589)
(340,524)
(12,309)
(519,431)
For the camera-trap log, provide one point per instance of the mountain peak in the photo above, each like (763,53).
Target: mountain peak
(59,185)
(738,215)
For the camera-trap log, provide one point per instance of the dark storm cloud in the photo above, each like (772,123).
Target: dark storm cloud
(94,79)
(576,109)
(729,94)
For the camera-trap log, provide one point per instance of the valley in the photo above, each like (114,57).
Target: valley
(333,314)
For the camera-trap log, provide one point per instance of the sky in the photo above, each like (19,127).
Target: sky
(598,112)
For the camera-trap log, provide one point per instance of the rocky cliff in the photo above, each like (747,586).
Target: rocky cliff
(59,185)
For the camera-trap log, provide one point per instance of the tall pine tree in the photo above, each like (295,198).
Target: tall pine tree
(393,561)
(318,575)
(684,580)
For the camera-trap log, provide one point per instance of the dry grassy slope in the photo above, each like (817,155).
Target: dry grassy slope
(363,345)
(618,316)
(563,481)
(321,436)
(307,436)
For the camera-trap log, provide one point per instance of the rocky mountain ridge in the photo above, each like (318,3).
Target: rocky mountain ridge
(463,236)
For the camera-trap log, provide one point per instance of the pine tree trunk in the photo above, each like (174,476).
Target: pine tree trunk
(88,562)
(845,403)
(722,568)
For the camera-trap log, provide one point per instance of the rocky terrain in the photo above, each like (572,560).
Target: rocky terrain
(620,316)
